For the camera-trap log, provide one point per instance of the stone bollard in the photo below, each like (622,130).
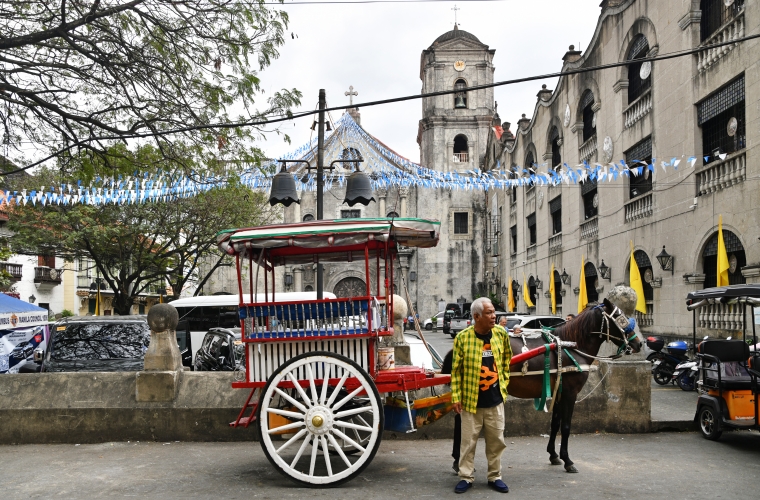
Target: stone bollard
(159,379)
(400,311)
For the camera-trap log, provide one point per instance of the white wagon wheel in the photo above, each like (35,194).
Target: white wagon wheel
(332,426)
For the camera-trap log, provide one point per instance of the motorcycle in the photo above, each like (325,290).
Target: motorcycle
(686,375)
(664,363)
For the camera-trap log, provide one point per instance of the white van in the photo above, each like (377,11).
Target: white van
(197,315)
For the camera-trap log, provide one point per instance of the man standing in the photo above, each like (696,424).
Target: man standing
(479,379)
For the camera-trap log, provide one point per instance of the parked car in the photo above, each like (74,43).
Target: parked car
(533,323)
(96,344)
(435,322)
(221,350)
(22,351)
(420,356)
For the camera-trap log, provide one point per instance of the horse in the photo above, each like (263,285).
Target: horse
(589,330)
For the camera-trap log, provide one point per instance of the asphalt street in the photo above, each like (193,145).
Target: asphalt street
(662,465)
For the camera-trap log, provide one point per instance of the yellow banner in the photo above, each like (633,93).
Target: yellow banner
(582,296)
(637,284)
(722,256)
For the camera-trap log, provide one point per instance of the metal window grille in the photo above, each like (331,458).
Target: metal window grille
(588,123)
(713,115)
(556,152)
(529,161)
(733,244)
(639,184)
(513,238)
(532,228)
(461,222)
(715,14)
(588,186)
(557,288)
(637,86)
(461,91)
(350,214)
(710,268)
(555,208)
(588,204)
(722,100)
(589,272)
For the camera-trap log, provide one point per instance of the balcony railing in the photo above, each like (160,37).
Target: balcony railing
(648,318)
(638,109)
(13,269)
(460,158)
(84,281)
(588,149)
(47,275)
(532,252)
(638,208)
(722,174)
(590,229)
(732,30)
(555,243)
(721,316)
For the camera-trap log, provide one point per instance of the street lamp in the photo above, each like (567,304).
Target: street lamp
(539,284)
(515,287)
(605,271)
(666,260)
(504,289)
(32,299)
(565,277)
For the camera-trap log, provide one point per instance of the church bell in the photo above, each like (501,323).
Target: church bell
(283,189)
(358,189)
(459,102)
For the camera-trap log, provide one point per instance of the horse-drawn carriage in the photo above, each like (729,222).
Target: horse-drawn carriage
(730,369)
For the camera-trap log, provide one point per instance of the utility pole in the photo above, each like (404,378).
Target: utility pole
(320,175)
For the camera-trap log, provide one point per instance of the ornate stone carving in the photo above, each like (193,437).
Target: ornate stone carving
(608,149)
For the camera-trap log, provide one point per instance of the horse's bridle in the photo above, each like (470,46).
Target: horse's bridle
(624,324)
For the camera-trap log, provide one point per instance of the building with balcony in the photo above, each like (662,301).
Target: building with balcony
(643,113)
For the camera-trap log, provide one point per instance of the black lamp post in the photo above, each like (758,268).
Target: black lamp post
(666,261)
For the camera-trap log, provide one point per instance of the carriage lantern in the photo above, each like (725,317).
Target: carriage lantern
(665,260)
(605,271)
(565,277)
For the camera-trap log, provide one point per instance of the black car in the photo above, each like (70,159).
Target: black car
(97,344)
(22,351)
(221,350)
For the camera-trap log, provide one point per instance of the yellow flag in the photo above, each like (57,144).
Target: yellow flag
(526,293)
(582,296)
(510,296)
(97,302)
(637,285)
(722,256)
(552,291)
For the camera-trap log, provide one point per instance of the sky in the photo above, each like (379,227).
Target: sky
(376,49)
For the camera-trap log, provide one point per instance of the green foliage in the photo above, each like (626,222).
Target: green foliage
(66,313)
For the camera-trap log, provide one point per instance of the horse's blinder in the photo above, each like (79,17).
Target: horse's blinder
(625,325)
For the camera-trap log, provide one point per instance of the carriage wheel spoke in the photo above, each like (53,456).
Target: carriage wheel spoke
(348,440)
(326,453)
(314,449)
(325,383)
(313,386)
(289,399)
(285,413)
(294,425)
(337,389)
(300,451)
(355,427)
(300,390)
(353,411)
(348,398)
(291,441)
(339,450)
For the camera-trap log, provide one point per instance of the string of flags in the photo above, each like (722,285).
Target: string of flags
(349,141)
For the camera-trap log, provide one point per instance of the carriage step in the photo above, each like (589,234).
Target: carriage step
(243,421)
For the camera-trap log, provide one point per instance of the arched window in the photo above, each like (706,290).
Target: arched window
(556,152)
(640,183)
(557,288)
(736,259)
(586,107)
(715,13)
(592,282)
(308,217)
(637,86)
(308,288)
(460,96)
(460,149)
(646,272)
(529,161)
(392,215)
(532,290)
(350,287)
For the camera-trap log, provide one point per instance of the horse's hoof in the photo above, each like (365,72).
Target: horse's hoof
(571,468)
(555,461)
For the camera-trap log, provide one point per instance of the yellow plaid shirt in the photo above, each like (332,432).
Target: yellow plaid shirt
(468,359)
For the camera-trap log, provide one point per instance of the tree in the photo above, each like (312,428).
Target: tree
(80,75)
(135,246)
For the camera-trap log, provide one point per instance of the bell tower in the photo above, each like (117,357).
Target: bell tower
(454,128)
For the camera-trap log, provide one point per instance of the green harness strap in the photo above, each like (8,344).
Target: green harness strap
(540,403)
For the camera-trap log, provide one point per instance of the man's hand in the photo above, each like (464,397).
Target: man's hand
(458,407)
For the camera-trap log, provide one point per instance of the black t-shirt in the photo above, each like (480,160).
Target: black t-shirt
(489,394)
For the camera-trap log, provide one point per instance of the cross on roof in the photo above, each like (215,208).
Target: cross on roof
(455,9)
(351,93)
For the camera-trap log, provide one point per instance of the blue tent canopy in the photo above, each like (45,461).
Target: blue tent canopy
(16,313)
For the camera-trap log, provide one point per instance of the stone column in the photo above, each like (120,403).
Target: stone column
(159,379)
(403,192)
(298,279)
(381,195)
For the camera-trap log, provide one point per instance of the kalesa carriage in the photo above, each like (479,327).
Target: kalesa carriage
(312,366)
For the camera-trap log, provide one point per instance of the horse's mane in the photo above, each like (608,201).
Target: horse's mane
(574,330)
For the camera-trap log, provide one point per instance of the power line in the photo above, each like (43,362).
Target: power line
(354,2)
(294,116)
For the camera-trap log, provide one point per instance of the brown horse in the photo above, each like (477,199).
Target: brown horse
(588,330)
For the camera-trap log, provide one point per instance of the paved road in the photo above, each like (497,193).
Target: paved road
(663,465)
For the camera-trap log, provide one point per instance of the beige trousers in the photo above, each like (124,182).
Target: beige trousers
(491,420)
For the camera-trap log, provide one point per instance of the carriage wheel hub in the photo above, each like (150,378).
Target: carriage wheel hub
(319,420)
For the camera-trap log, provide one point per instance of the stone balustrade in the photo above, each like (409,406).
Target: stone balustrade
(638,109)
(730,31)
(648,318)
(590,229)
(721,316)
(532,252)
(639,207)
(722,174)
(555,243)
(588,149)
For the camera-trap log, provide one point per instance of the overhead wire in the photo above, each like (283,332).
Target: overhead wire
(294,116)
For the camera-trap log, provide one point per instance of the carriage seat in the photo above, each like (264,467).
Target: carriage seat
(307,319)
(728,371)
